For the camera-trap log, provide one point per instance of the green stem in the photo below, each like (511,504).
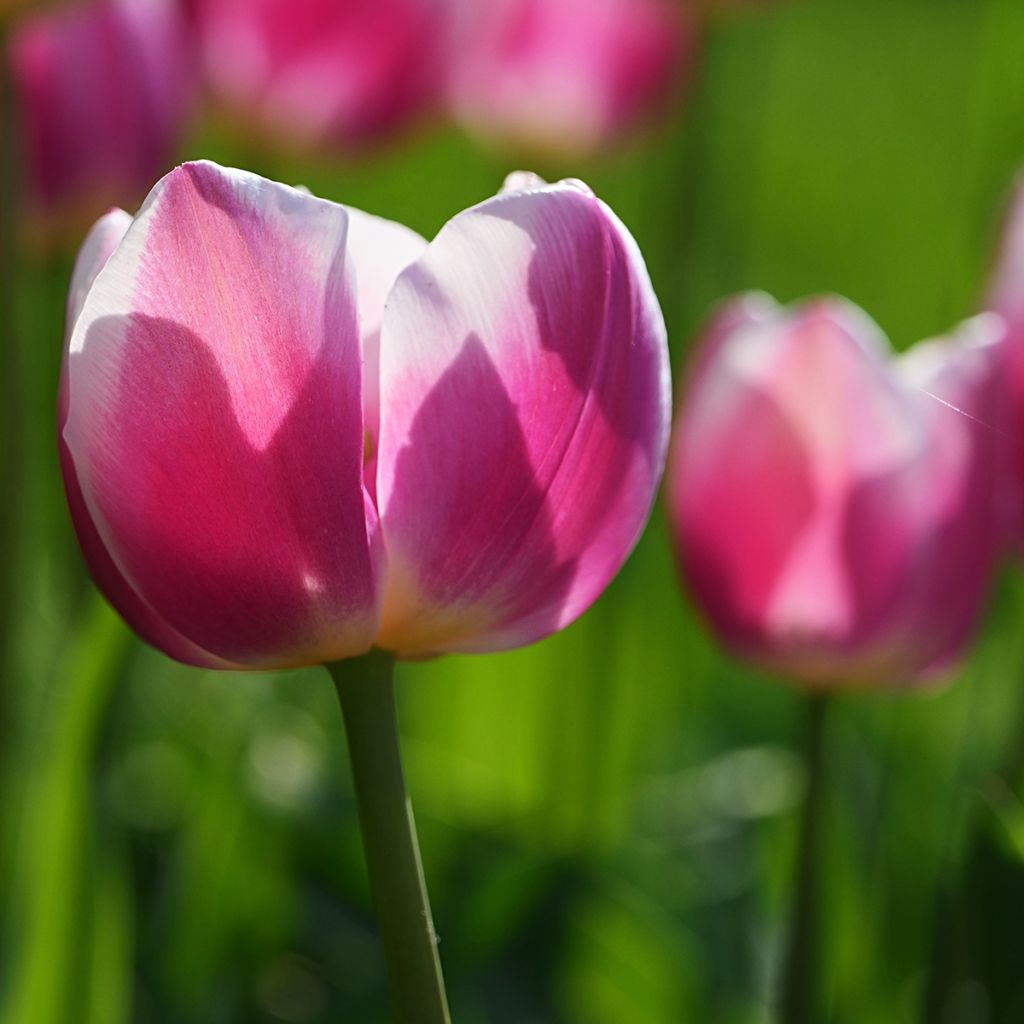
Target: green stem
(799,996)
(366,689)
(9,378)
(949,955)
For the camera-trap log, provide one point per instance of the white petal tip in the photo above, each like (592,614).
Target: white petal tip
(522,181)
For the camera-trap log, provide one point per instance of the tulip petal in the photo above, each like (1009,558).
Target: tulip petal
(958,383)
(104,237)
(1006,297)
(524,396)
(379,250)
(97,248)
(215,420)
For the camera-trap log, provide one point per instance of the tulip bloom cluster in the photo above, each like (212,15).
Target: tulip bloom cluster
(104,87)
(563,75)
(291,431)
(838,511)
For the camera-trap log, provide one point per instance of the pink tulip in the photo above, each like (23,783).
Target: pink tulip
(103,90)
(837,511)
(568,76)
(270,465)
(1006,297)
(335,71)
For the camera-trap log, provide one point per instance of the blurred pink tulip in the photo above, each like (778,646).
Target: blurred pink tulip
(325,71)
(268,466)
(103,90)
(837,511)
(568,76)
(1006,297)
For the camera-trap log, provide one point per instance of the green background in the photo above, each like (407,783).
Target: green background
(608,819)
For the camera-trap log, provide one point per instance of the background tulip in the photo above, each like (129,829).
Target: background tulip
(1006,297)
(836,511)
(567,76)
(246,498)
(324,71)
(103,89)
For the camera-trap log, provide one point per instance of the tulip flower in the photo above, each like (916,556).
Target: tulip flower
(568,76)
(1006,297)
(837,510)
(103,90)
(291,432)
(325,71)
(269,507)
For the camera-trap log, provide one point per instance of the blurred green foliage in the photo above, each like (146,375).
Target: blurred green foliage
(608,818)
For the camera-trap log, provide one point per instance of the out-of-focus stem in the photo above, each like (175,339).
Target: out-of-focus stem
(951,909)
(9,360)
(799,1003)
(366,689)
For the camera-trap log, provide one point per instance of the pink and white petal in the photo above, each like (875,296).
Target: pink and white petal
(1006,297)
(116,589)
(748,310)
(832,381)
(101,241)
(732,447)
(379,250)
(960,387)
(525,403)
(827,369)
(99,245)
(215,419)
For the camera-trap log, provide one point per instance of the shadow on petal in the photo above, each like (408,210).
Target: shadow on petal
(475,566)
(260,556)
(589,313)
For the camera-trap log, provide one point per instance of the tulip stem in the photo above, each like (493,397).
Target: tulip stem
(799,994)
(366,689)
(10,394)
